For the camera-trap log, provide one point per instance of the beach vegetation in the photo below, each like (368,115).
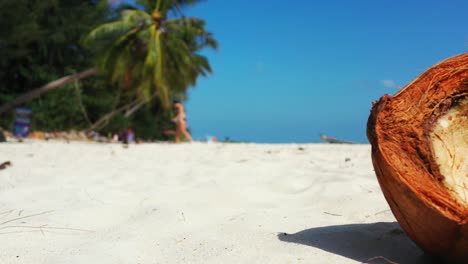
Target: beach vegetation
(153,50)
(116,64)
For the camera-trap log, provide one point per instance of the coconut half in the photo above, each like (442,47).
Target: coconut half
(419,141)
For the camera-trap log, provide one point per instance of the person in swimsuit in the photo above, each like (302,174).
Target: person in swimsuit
(181,122)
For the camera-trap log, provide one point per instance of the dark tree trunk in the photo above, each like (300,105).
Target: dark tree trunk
(137,106)
(130,109)
(26,97)
(134,108)
(109,115)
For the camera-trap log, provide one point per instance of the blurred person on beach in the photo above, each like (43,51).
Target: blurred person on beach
(130,135)
(181,122)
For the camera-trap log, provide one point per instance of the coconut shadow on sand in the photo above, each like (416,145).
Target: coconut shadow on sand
(362,242)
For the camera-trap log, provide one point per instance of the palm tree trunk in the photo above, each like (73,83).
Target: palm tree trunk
(130,107)
(132,110)
(111,114)
(28,96)
(135,108)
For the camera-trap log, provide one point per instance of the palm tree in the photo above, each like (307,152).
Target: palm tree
(154,50)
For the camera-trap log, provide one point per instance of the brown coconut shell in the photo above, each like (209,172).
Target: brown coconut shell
(401,130)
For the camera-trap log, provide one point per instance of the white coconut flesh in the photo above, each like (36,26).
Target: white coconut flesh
(450,147)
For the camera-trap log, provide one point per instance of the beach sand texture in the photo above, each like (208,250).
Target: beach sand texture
(195,203)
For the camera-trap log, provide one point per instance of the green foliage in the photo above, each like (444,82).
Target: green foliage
(150,52)
(154,50)
(39,40)
(116,125)
(58,110)
(151,121)
(98,98)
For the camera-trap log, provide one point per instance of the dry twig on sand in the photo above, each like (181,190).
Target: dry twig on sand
(40,228)
(27,216)
(380,257)
(331,214)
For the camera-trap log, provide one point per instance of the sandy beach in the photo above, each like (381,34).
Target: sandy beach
(195,203)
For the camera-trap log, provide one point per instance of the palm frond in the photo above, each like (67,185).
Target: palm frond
(145,89)
(119,54)
(166,6)
(177,6)
(192,30)
(151,53)
(158,54)
(107,30)
(136,16)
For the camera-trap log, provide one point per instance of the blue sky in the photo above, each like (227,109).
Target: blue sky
(289,70)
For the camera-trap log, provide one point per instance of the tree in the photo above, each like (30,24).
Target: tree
(154,51)
(148,54)
(39,43)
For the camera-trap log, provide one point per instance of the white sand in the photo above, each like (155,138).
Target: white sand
(195,203)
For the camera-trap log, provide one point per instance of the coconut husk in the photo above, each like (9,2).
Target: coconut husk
(407,154)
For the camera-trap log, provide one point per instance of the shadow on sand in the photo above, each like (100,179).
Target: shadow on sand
(363,242)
